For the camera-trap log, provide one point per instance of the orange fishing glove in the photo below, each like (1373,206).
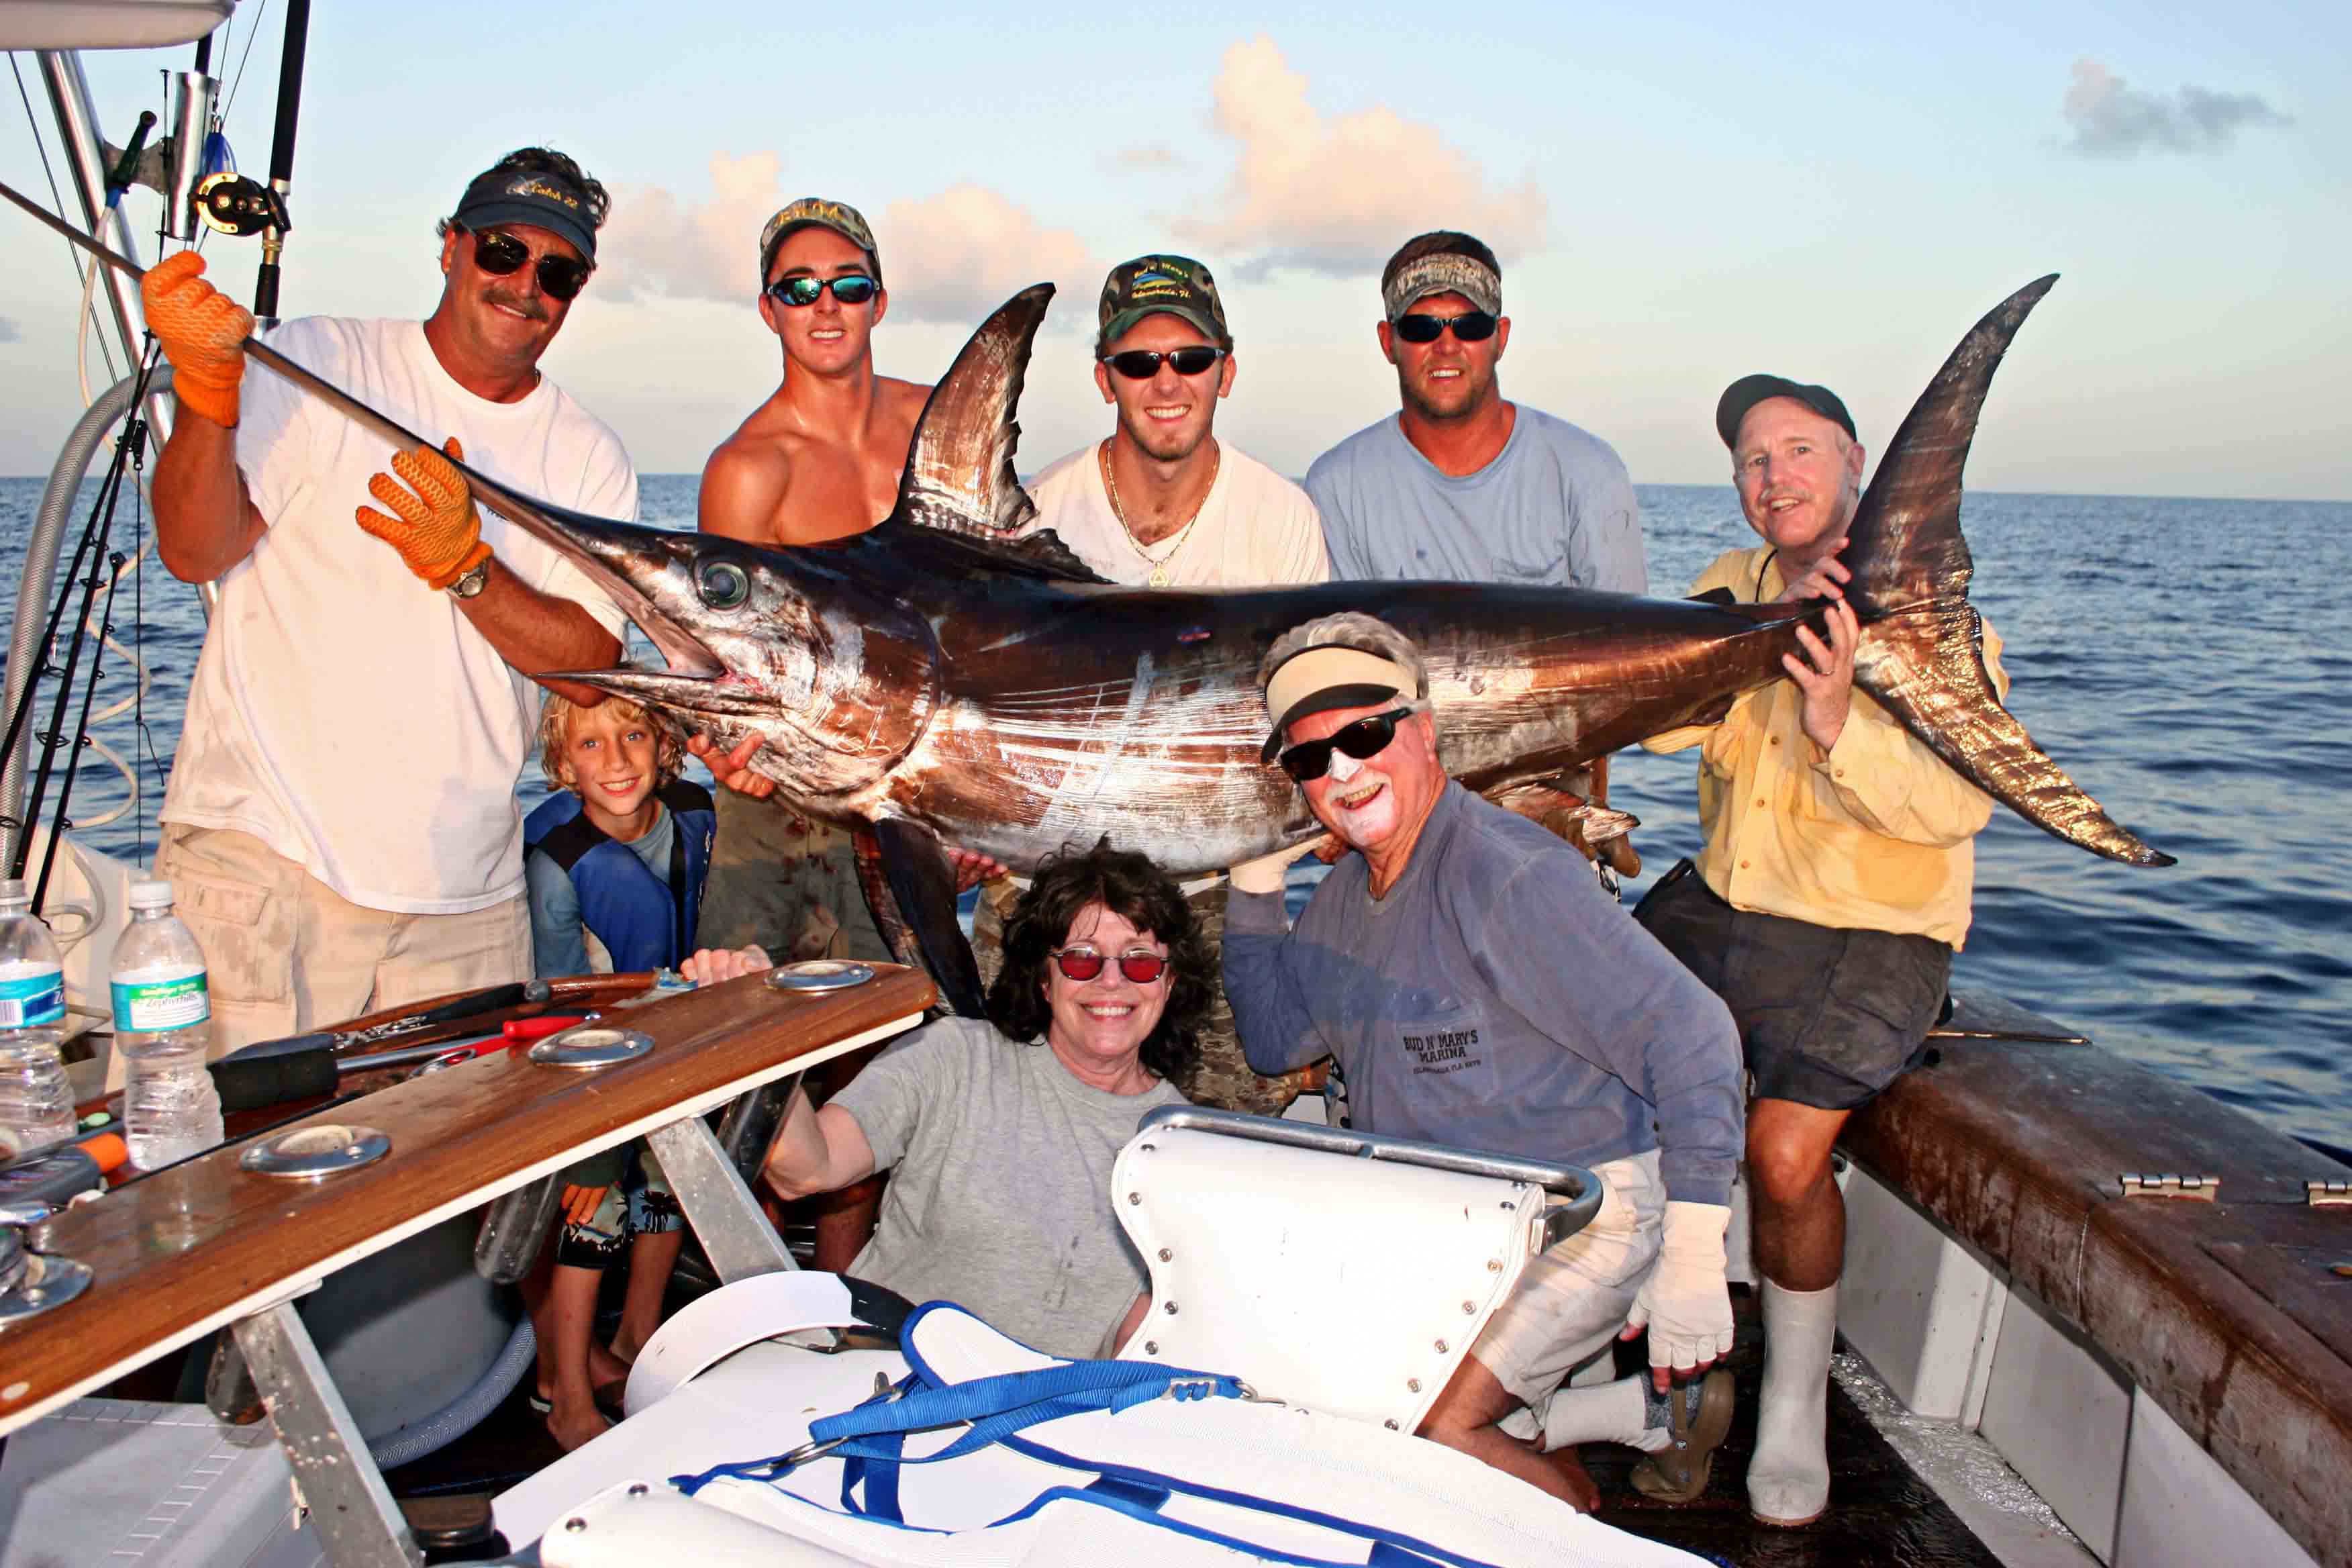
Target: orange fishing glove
(202,332)
(438,533)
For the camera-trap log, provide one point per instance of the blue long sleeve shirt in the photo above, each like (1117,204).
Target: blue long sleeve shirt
(1496,999)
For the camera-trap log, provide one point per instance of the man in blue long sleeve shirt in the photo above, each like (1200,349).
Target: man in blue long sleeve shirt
(1476,994)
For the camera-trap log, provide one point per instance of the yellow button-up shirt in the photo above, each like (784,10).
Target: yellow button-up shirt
(1876,834)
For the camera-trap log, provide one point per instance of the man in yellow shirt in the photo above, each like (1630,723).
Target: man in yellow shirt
(1830,897)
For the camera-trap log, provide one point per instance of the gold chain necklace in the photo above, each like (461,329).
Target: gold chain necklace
(1158,567)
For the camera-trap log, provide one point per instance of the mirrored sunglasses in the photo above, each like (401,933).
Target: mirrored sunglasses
(499,255)
(854,288)
(1365,738)
(1085,964)
(1142,365)
(1470,327)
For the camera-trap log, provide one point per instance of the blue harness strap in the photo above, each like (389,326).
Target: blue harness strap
(869,1439)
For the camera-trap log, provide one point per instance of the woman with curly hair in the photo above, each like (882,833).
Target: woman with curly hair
(999,1132)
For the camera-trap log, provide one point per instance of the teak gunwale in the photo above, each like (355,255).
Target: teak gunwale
(200,1245)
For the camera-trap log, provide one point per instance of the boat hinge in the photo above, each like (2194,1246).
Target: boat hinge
(2203,1189)
(2328,1193)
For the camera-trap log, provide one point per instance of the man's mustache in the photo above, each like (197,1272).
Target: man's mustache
(521,304)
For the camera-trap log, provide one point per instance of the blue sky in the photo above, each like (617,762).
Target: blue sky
(1681,197)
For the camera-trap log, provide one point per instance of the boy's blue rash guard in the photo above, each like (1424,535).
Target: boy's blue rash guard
(644,916)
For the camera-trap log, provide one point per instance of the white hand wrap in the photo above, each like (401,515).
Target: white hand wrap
(1263,875)
(1685,1301)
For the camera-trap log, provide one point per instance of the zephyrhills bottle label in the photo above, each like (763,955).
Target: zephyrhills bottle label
(26,1000)
(149,1006)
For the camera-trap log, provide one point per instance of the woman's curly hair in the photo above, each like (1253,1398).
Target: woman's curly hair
(1130,886)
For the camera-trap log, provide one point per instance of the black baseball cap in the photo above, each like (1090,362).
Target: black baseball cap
(541,197)
(1751,390)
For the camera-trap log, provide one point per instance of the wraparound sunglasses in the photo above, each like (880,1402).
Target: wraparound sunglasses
(1470,327)
(852,288)
(1142,365)
(1365,738)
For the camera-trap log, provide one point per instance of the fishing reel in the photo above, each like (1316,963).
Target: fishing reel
(234,204)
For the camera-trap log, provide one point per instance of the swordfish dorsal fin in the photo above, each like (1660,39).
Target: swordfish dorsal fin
(960,478)
(959,473)
(1922,653)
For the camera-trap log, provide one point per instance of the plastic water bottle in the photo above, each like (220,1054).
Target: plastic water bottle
(162,1027)
(36,1105)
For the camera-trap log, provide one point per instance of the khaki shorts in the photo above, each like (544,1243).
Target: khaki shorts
(286,954)
(1574,1298)
(785,882)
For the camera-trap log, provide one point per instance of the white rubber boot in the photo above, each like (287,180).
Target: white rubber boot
(1789,1477)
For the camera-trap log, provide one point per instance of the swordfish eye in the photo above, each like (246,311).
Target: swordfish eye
(722,585)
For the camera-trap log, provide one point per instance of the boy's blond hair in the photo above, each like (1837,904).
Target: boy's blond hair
(555,735)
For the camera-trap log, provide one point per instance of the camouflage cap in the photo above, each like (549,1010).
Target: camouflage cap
(1443,262)
(1176,284)
(818,212)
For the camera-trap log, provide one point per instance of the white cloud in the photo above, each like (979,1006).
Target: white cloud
(2110,120)
(951,258)
(956,256)
(655,244)
(1338,193)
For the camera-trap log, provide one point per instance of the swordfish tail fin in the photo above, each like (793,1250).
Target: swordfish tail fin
(959,473)
(1922,642)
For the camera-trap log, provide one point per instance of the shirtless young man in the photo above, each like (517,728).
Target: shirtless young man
(819,459)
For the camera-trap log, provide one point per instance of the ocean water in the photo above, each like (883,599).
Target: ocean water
(2182,659)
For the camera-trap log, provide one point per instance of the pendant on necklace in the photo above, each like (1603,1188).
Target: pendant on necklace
(1160,574)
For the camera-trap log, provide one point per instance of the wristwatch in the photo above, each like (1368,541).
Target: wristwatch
(470,585)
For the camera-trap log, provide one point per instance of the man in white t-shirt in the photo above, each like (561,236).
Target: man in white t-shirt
(1161,503)
(340,824)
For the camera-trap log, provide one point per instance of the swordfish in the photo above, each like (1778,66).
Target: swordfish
(940,680)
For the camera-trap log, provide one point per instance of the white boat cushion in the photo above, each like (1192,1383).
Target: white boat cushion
(1346,1285)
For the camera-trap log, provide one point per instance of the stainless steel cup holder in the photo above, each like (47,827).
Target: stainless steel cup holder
(819,974)
(314,1153)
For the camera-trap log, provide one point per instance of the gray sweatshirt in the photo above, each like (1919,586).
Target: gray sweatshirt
(1497,999)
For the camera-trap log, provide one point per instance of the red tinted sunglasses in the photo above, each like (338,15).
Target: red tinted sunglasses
(1082,963)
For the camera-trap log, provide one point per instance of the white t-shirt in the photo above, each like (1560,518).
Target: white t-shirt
(1257,530)
(342,712)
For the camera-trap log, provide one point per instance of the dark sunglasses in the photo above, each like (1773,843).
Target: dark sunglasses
(1364,738)
(1469,327)
(1081,963)
(855,288)
(1142,365)
(559,277)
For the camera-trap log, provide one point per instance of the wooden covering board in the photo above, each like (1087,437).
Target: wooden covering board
(190,1247)
(2224,1313)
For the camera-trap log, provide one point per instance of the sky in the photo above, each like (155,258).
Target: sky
(1680,194)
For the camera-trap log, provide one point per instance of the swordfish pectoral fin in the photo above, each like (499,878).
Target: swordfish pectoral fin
(911,894)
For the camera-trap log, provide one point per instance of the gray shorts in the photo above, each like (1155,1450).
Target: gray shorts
(1829,1017)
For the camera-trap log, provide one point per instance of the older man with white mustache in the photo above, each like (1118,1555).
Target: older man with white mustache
(1476,994)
